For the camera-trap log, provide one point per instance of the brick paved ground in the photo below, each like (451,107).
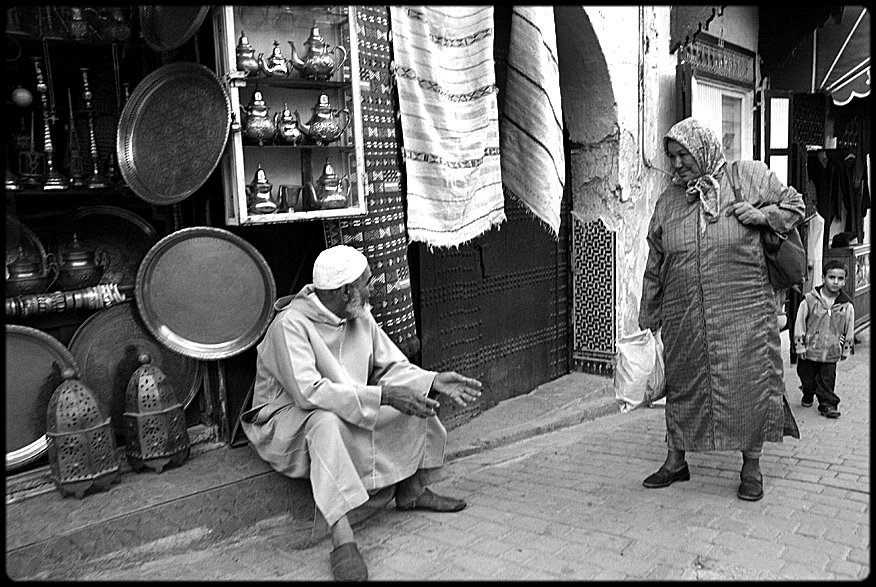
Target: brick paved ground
(570,505)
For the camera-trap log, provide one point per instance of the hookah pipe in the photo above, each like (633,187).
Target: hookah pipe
(96,179)
(54,179)
(77,167)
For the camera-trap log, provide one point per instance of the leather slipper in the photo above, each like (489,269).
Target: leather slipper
(347,563)
(433,502)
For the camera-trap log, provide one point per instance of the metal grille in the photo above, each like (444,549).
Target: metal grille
(594,283)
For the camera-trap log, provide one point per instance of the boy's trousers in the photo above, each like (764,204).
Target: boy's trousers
(819,380)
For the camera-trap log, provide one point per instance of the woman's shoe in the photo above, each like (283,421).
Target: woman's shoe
(664,477)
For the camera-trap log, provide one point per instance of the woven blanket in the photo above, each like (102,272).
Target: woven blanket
(446,80)
(380,234)
(531,124)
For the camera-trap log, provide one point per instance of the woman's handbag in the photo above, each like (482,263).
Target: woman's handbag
(638,376)
(785,254)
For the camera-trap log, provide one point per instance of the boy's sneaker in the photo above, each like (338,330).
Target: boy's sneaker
(829,412)
(806,402)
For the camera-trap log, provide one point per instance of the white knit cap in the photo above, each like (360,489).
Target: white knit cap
(337,266)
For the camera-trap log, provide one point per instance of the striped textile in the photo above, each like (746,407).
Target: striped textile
(380,234)
(531,124)
(446,80)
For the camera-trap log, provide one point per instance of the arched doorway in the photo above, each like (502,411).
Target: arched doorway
(501,307)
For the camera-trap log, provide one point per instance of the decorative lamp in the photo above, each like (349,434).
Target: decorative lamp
(81,442)
(154,420)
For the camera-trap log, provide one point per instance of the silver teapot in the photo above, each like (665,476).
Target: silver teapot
(287,127)
(257,123)
(275,65)
(246,60)
(331,192)
(259,196)
(324,127)
(319,63)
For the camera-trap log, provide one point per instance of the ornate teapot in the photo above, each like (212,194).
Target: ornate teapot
(257,123)
(276,65)
(331,192)
(79,267)
(258,194)
(318,63)
(25,277)
(287,126)
(246,61)
(323,127)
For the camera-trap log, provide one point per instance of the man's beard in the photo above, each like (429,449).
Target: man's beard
(356,307)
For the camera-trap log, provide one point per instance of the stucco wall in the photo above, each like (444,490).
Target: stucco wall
(634,42)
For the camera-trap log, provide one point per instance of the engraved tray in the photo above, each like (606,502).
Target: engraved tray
(124,236)
(34,363)
(106,347)
(19,235)
(172,132)
(206,293)
(167,27)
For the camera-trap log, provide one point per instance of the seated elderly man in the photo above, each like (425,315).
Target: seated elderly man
(335,400)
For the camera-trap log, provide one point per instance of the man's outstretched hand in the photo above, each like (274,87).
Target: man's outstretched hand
(407,401)
(457,387)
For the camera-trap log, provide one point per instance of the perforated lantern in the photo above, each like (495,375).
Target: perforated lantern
(154,420)
(80,439)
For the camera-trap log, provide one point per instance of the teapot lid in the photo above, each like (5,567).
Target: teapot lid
(328,172)
(21,263)
(260,177)
(243,39)
(315,36)
(76,250)
(257,98)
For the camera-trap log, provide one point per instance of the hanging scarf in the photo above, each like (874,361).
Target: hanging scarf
(704,146)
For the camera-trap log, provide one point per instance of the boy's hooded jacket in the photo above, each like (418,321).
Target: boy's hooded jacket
(823,333)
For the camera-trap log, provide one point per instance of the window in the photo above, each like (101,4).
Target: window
(727,111)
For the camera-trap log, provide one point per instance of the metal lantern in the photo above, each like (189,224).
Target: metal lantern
(80,439)
(154,420)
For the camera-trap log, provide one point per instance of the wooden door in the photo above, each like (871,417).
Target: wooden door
(496,308)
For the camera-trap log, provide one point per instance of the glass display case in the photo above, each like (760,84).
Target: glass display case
(292,74)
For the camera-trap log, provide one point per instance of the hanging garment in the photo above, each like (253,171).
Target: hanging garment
(531,123)
(446,79)
(380,234)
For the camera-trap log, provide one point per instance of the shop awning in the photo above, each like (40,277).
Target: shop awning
(833,58)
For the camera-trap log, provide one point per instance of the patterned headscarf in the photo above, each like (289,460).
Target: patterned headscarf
(706,149)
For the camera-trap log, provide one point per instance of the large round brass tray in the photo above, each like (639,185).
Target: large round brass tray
(206,293)
(34,363)
(167,27)
(107,345)
(124,237)
(22,242)
(172,132)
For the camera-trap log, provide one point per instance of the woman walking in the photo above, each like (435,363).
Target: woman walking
(706,288)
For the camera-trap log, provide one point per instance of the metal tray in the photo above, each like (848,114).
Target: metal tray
(167,27)
(124,236)
(172,132)
(21,241)
(34,363)
(206,293)
(107,345)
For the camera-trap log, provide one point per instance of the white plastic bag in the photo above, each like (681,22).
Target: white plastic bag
(638,375)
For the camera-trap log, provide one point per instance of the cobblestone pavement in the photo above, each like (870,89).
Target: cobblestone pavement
(569,505)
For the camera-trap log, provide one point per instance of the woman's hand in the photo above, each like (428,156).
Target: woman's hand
(457,387)
(747,214)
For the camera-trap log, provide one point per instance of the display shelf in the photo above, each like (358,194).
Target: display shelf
(266,55)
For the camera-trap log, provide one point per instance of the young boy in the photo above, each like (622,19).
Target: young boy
(823,335)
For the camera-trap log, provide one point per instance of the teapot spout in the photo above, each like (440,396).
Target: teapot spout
(302,126)
(296,62)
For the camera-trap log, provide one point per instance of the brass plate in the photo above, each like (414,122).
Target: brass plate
(34,363)
(206,293)
(167,27)
(19,235)
(172,132)
(122,235)
(106,347)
